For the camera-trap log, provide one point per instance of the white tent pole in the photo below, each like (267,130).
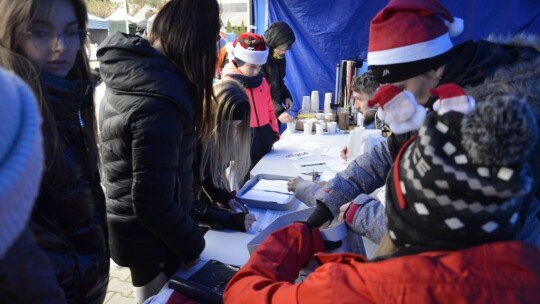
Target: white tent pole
(127,22)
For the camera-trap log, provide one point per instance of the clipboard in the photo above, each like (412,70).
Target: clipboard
(285,204)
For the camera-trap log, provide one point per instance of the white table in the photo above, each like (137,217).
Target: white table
(274,163)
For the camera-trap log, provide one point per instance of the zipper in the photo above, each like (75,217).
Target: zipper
(82,124)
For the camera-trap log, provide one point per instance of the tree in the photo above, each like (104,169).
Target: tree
(101,8)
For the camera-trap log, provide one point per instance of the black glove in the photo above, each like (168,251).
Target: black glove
(320,216)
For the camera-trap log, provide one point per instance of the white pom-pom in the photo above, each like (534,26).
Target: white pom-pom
(454,28)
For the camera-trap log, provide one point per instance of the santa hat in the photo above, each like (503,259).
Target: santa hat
(452,98)
(21,157)
(398,109)
(250,48)
(410,37)
(462,181)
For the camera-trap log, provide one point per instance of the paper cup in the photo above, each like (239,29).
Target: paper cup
(329,116)
(332,125)
(291,126)
(319,128)
(308,127)
(319,116)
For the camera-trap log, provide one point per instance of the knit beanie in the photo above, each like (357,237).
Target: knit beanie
(21,157)
(250,48)
(279,33)
(461,182)
(410,37)
(398,109)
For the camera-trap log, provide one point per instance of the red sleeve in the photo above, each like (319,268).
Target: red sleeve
(269,274)
(271,110)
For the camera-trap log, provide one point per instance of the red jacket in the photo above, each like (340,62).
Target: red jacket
(504,272)
(262,108)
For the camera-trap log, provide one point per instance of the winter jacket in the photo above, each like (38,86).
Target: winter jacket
(517,62)
(263,120)
(68,219)
(504,272)
(274,72)
(147,141)
(30,279)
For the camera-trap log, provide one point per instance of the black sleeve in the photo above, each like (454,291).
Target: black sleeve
(217,218)
(320,216)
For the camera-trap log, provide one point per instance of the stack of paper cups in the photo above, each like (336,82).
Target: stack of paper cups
(327,102)
(306,106)
(315,101)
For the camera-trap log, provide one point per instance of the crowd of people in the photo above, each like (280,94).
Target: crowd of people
(137,175)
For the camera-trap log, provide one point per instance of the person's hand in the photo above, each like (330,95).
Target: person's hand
(343,212)
(285,117)
(293,183)
(288,103)
(236,207)
(248,221)
(344,153)
(386,246)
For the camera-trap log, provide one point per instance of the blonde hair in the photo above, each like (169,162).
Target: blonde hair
(228,147)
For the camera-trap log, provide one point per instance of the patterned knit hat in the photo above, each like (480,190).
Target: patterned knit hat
(410,37)
(250,48)
(399,109)
(21,157)
(462,181)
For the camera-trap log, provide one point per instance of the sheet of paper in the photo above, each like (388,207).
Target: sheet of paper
(332,152)
(267,196)
(309,167)
(278,185)
(297,155)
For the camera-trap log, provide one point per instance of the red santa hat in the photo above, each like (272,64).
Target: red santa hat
(250,48)
(398,109)
(410,37)
(452,98)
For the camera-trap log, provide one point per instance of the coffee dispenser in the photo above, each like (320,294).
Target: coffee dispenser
(346,70)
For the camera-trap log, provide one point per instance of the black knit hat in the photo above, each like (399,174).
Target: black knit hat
(279,33)
(462,181)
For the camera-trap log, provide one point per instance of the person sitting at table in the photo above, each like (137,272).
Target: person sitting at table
(363,87)
(402,58)
(249,53)
(224,161)
(442,245)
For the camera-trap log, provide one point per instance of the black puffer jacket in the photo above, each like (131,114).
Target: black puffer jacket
(147,140)
(69,216)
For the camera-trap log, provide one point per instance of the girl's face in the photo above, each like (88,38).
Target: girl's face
(281,49)
(249,69)
(54,38)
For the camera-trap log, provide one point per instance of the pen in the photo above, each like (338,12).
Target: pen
(246,209)
(310,165)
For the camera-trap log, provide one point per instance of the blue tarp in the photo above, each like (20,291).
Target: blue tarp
(328,31)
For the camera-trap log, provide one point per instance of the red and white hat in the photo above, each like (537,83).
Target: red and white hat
(452,98)
(250,48)
(398,109)
(410,37)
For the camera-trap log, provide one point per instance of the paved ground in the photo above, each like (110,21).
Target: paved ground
(119,291)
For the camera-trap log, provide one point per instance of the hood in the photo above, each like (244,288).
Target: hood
(128,63)
(279,33)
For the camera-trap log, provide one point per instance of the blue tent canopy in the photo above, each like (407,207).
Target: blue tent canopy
(328,31)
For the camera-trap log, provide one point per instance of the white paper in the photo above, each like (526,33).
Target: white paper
(310,167)
(297,155)
(267,196)
(277,185)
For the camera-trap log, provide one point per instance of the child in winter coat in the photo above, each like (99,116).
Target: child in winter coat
(249,53)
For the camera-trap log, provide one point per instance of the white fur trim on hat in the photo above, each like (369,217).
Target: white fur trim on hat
(410,53)
(250,56)
(21,157)
(455,28)
(402,113)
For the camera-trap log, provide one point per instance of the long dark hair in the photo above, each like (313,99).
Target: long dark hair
(16,18)
(187,31)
